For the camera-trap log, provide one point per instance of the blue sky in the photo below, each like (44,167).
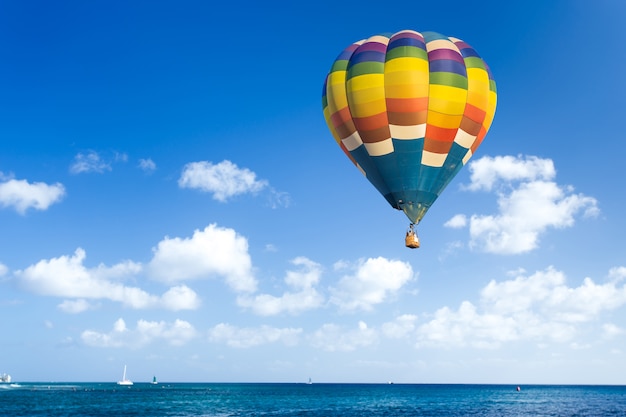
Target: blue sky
(171,199)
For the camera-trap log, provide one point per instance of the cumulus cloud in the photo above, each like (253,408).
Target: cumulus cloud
(67,277)
(175,333)
(3,269)
(487,172)
(334,338)
(403,326)
(369,282)
(22,195)
(529,203)
(224,180)
(147,165)
(249,337)
(303,295)
(214,251)
(536,307)
(89,162)
(457,221)
(75,306)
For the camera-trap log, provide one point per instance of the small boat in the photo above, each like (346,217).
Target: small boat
(154,381)
(310,382)
(125,381)
(5,378)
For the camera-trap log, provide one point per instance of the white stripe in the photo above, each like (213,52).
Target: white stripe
(407,132)
(467,156)
(352,142)
(433,159)
(384,147)
(464,139)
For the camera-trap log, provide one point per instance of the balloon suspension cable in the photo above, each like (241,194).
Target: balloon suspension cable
(411,240)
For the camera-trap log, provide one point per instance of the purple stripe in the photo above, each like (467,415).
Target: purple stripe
(372,46)
(367,56)
(445,54)
(466,50)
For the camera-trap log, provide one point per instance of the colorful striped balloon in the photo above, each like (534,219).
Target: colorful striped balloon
(409,110)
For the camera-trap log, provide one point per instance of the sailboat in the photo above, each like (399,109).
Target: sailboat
(154,381)
(125,381)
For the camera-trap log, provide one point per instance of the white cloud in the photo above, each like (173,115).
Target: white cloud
(146,332)
(537,307)
(89,162)
(209,252)
(529,203)
(180,298)
(401,327)
(611,331)
(615,274)
(224,180)
(22,195)
(333,338)
(456,222)
(486,172)
(147,165)
(3,269)
(75,306)
(303,297)
(67,277)
(249,337)
(372,282)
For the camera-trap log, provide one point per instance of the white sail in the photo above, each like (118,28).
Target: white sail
(125,381)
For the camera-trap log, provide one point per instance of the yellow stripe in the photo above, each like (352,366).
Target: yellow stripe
(478,74)
(407,90)
(447,100)
(366,109)
(337,77)
(444,120)
(491,110)
(406,64)
(478,99)
(336,96)
(365,81)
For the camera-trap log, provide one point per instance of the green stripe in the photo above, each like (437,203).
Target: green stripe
(448,78)
(364,68)
(492,86)
(406,51)
(339,65)
(474,62)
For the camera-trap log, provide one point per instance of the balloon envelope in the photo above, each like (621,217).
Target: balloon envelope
(409,109)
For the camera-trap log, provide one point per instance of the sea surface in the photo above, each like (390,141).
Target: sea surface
(242,399)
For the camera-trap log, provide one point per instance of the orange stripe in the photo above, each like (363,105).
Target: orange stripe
(474,113)
(407,105)
(437,146)
(340,116)
(479,140)
(373,122)
(440,133)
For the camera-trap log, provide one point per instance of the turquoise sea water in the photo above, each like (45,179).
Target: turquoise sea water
(390,400)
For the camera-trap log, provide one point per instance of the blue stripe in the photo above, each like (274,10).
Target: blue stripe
(407,42)
(447,65)
(367,56)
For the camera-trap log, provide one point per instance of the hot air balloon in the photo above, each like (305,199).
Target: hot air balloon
(409,109)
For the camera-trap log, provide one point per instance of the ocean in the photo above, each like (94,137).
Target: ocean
(318,399)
